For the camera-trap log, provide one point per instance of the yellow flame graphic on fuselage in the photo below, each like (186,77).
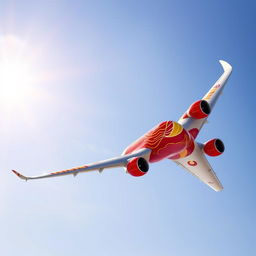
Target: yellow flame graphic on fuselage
(176,130)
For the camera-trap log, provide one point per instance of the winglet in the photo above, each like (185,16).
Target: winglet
(20,175)
(225,65)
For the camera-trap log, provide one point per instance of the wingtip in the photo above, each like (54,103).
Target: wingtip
(218,188)
(225,65)
(20,175)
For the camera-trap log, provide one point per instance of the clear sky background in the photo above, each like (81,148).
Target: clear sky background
(97,75)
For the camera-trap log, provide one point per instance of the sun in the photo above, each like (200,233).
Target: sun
(16,70)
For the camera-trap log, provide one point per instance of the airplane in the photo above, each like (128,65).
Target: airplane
(171,140)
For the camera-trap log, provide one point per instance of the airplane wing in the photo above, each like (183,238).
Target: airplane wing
(198,165)
(120,161)
(211,97)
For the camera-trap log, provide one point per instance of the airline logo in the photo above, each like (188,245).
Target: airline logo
(192,163)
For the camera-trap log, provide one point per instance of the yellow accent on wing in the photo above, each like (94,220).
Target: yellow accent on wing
(176,130)
(210,93)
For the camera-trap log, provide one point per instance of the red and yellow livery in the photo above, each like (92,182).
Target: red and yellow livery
(168,140)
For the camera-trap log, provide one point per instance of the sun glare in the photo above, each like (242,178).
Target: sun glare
(16,70)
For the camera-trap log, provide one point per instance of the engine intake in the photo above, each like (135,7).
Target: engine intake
(199,109)
(214,147)
(138,166)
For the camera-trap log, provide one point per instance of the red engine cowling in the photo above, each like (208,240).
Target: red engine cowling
(199,109)
(214,147)
(138,166)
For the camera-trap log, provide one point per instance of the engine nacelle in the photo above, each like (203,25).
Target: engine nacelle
(214,147)
(137,166)
(199,109)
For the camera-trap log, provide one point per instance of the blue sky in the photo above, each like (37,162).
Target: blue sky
(104,73)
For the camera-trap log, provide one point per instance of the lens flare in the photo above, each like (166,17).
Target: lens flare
(16,70)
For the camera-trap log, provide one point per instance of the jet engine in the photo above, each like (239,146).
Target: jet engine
(137,166)
(214,147)
(199,109)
